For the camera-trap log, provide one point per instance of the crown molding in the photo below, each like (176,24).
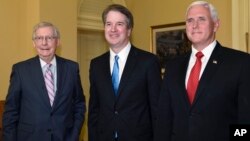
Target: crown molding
(91,21)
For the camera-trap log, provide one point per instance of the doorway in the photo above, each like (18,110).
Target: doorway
(90,44)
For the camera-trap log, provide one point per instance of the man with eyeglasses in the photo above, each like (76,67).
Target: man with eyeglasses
(45,100)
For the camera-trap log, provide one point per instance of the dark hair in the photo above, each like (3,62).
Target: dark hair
(121,9)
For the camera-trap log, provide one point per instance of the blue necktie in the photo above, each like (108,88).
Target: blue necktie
(115,75)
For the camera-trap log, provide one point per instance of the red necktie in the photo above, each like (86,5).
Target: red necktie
(194,77)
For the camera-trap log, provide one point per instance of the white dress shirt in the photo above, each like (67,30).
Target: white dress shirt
(123,55)
(207,51)
(53,70)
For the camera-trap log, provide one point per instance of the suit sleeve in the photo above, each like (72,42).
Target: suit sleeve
(12,104)
(163,127)
(79,106)
(93,107)
(244,93)
(154,83)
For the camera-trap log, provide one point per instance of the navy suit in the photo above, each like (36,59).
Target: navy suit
(222,98)
(133,112)
(28,115)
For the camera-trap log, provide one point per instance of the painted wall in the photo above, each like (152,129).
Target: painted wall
(156,12)
(10,38)
(64,15)
(19,17)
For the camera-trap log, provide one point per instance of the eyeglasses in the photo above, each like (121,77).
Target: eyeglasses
(46,38)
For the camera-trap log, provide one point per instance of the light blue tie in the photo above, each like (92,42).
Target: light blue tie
(115,75)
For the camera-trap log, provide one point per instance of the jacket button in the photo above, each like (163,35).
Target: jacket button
(116,112)
(49,130)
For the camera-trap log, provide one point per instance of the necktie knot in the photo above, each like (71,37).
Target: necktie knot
(48,67)
(199,55)
(116,58)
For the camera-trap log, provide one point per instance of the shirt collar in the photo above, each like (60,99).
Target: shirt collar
(207,51)
(123,54)
(43,63)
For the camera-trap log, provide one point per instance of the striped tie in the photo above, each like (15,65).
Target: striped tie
(49,82)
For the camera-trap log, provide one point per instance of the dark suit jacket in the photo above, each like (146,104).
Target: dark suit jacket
(222,98)
(28,115)
(133,112)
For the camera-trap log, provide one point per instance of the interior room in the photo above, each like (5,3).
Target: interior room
(82,36)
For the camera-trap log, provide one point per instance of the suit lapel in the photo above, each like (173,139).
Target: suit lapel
(61,79)
(107,75)
(181,80)
(130,64)
(37,74)
(103,71)
(212,65)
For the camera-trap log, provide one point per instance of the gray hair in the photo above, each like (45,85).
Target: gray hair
(56,32)
(209,6)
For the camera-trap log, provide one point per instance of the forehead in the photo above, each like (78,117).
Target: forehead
(198,10)
(115,16)
(44,31)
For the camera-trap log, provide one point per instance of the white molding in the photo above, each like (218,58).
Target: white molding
(122,2)
(79,3)
(240,24)
(235,23)
(90,22)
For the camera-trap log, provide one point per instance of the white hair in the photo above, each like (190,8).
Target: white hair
(211,8)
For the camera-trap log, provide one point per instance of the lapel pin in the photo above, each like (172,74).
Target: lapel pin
(215,62)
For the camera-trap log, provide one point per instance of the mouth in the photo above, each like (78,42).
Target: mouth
(193,33)
(113,35)
(45,49)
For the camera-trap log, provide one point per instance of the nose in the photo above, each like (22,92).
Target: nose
(113,28)
(44,41)
(195,24)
